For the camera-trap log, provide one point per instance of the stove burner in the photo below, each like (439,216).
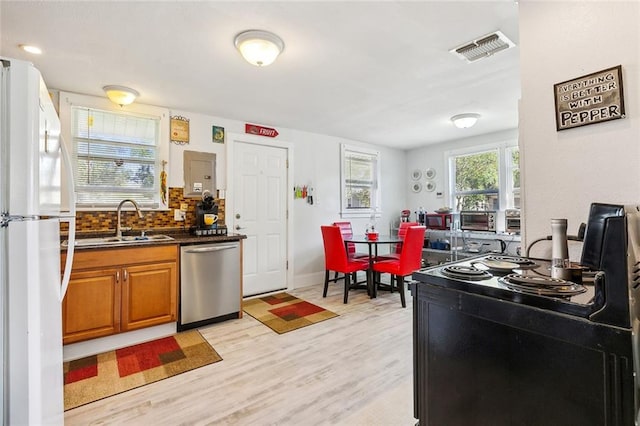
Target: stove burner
(522,262)
(543,286)
(462,272)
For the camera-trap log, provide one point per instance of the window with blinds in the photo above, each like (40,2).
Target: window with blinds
(360,178)
(116,157)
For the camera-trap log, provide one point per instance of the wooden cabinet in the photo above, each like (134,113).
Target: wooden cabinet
(120,289)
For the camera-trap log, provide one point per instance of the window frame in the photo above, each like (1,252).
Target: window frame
(69,100)
(375,209)
(505,180)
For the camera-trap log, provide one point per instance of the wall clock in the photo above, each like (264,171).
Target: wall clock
(416,175)
(416,187)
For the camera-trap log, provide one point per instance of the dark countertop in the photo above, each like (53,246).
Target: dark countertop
(179,236)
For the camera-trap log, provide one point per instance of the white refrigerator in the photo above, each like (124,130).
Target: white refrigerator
(31,161)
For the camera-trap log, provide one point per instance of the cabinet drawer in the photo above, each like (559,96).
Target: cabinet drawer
(84,259)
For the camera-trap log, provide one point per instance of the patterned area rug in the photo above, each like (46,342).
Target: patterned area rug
(99,376)
(283,312)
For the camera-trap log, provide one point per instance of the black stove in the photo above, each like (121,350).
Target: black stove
(516,279)
(498,341)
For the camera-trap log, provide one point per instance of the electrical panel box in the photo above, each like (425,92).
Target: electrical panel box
(199,173)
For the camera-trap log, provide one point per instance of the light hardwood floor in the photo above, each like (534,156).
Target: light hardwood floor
(355,369)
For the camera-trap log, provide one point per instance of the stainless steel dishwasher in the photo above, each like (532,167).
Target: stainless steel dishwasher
(209,284)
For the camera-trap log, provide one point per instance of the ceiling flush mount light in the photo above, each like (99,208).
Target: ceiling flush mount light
(464,121)
(483,47)
(120,95)
(258,47)
(30,49)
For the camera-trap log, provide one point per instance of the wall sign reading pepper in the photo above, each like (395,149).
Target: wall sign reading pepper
(589,99)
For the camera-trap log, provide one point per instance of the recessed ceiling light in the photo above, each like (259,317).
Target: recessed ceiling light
(30,49)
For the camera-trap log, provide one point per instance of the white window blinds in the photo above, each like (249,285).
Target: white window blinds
(116,157)
(360,172)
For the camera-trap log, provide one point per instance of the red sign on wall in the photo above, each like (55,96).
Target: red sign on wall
(254,129)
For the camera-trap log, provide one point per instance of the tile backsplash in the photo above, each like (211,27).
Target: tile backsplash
(107,220)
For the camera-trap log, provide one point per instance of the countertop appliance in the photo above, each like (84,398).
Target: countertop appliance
(512,221)
(478,220)
(438,220)
(529,349)
(31,153)
(210,279)
(207,217)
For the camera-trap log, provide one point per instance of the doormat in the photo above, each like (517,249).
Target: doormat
(283,312)
(99,376)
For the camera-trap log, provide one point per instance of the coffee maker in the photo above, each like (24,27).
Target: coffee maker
(207,217)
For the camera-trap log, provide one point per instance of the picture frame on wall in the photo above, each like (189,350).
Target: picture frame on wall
(589,99)
(217,134)
(179,130)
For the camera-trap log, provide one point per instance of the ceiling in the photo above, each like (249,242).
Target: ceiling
(376,72)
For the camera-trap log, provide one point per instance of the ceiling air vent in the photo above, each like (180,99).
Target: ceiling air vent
(483,47)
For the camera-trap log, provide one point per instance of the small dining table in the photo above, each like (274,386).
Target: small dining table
(373,253)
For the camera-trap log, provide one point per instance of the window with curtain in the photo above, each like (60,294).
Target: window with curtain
(116,157)
(360,173)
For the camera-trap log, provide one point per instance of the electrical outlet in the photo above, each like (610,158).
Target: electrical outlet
(184,207)
(178,215)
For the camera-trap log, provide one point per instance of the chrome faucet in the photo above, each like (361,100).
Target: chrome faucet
(119,227)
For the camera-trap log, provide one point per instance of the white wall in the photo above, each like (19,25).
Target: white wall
(563,172)
(200,139)
(434,156)
(316,163)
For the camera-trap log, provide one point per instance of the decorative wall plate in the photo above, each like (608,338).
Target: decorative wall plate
(430,173)
(430,186)
(416,187)
(416,174)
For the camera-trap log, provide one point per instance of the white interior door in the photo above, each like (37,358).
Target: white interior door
(260,212)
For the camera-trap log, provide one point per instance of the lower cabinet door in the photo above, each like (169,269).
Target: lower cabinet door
(149,295)
(91,307)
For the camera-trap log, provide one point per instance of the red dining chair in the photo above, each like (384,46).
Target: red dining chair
(336,259)
(347,231)
(409,261)
(402,232)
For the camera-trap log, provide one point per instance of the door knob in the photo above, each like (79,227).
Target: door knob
(237,215)
(238,227)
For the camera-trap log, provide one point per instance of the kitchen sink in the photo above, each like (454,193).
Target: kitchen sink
(81,242)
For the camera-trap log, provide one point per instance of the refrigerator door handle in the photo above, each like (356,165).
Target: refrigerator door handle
(71,218)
